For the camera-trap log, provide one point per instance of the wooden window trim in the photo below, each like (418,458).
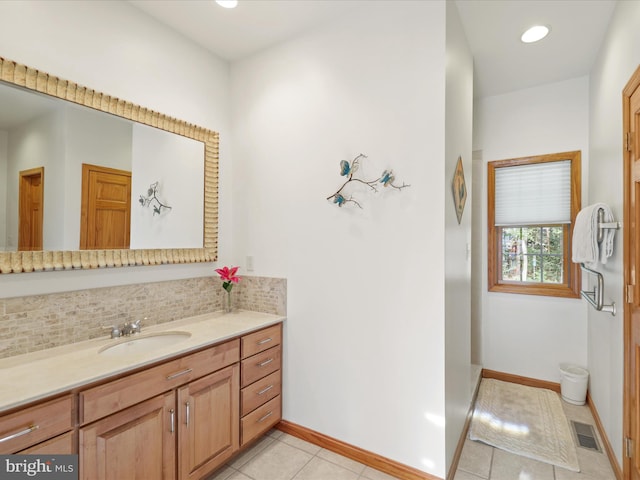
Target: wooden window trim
(571,289)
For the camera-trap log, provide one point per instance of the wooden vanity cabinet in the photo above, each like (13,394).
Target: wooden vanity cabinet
(261,382)
(185,431)
(35,429)
(176,420)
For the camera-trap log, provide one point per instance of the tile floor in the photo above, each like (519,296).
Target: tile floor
(279,456)
(483,462)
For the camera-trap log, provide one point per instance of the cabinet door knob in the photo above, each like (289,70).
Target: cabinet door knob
(266,340)
(186,413)
(172,419)
(265,363)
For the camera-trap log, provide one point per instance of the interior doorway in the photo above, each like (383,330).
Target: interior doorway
(30,209)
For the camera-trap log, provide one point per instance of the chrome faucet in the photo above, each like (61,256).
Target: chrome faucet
(130,328)
(126,329)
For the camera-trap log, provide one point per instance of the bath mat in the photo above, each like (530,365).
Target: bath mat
(524,420)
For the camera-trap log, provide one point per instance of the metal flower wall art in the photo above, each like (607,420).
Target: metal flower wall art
(151,200)
(349,170)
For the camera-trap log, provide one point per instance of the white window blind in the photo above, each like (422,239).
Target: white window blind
(533,194)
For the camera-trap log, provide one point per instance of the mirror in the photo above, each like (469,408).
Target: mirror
(148,149)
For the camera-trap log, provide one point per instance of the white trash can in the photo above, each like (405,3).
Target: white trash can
(573,383)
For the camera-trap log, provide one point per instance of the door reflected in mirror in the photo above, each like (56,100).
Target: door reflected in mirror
(60,212)
(30,209)
(105,208)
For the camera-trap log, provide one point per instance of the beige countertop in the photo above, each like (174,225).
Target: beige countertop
(34,376)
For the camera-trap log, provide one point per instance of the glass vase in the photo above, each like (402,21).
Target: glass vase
(228,307)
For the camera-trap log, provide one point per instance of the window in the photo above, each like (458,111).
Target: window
(532,206)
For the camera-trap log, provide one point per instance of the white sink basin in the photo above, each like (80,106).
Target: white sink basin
(143,343)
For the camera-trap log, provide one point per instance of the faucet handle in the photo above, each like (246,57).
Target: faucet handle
(136,327)
(115,330)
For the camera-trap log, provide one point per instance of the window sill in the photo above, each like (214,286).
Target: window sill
(561,291)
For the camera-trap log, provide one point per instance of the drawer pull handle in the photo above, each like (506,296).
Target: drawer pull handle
(179,374)
(265,363)
(265,390)
(186,416)
(172,418)
(266,340)
(27,430)
(265,417)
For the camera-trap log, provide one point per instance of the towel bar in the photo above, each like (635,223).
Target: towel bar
(602,225)
(596,297)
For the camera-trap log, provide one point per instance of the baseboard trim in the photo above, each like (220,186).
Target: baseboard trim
(391,467)
(463,436)
(605,440)
(532,382)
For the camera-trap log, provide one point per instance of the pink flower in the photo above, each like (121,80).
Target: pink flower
(228,276)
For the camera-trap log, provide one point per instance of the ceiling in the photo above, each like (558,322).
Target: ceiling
(502,63)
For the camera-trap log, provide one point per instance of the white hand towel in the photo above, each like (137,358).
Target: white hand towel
(585,247)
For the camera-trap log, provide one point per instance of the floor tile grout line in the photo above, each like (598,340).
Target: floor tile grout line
(341,466)
(301,468)
(493,451)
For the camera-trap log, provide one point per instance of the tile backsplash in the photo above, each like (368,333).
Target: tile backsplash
(37,322)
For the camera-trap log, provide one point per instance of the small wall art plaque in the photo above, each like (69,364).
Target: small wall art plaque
(459,188)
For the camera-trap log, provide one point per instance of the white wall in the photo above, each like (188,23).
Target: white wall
(112,47)
(618,59)
(530,335)
(458,127)
(364,350)
(155,155)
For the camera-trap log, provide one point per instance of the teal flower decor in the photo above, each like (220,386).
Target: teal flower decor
(349,170)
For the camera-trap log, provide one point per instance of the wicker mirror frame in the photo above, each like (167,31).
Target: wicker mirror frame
(39,261)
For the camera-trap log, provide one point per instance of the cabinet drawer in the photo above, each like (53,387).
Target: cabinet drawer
(261,419)
(35,424)
(61,445)
(260,392)
(260,365)
(261,340)
(103,400)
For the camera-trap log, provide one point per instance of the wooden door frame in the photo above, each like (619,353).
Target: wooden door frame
(31,172)
(632,85)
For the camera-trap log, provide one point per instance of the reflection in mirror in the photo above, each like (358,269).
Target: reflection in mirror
(51,125)
(154,155)
(89,212)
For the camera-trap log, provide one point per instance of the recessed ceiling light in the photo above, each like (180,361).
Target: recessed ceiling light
(535,33)
(227,3)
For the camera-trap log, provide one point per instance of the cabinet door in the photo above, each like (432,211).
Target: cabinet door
(138,443)
(209,422)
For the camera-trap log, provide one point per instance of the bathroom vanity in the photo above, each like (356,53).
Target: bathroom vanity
(172,408)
